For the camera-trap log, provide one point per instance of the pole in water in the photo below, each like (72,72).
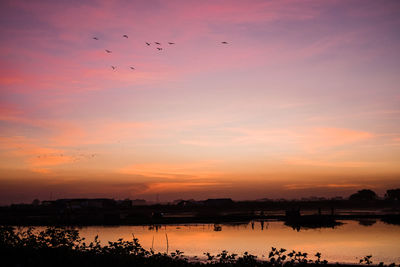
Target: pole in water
(166,237)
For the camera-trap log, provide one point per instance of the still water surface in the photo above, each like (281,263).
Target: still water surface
(346,243)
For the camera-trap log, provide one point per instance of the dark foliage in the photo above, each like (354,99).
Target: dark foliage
(364,195)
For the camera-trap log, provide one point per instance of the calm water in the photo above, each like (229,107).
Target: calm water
(345,243)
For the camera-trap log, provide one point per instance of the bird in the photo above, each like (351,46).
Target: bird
(224,42)
(95,38)
(108,51)
(113,67)
(147,43)
(159,48)
(132,68)
(126,36)
(171,43)
(157,43)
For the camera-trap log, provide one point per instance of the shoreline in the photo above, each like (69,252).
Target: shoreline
(393,219)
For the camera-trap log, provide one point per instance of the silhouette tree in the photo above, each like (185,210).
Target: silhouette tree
(393,194)
(36,202)
(365,194)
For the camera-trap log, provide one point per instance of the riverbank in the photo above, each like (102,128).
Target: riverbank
(83,212)
(304,221)
(164,216)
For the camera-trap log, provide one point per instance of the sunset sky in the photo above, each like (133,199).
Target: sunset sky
(304,100)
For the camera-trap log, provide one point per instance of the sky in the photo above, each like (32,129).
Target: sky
(303,100)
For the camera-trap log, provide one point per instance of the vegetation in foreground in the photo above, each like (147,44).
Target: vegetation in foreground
(59,246)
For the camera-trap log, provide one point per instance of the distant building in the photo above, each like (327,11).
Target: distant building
(139,202)
(48,203)
(36,202)
(126,203)
(80,203)
(265,200)
(218,202)
(313,198)
(177,201)
(188,203)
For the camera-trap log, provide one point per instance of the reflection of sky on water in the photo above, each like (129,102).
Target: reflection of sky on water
(346,243)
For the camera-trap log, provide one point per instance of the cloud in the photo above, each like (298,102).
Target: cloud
(36,157)
(107,131)
(328,137)
(301,186)
(184,170)
(326,163)
(165,187)
(307,138)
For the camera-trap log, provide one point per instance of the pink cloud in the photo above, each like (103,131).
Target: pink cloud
(64,57)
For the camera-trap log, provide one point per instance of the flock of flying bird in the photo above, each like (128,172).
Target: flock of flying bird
(74,157)
(80,156)
(159,48)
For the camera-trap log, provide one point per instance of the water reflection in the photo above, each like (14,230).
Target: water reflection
(347,243)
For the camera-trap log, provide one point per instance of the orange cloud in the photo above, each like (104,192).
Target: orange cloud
(325,163)
(36,157)
(171,171)
(181,186)
(340,136)
(318,138)
(310,186)
(50,160)
(41,170)
(312,138)
(99,132)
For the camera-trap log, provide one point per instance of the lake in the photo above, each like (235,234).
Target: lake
(346,243)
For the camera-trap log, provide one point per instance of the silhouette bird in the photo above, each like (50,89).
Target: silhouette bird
(126,36)
(159,48)
(113,67)
(148,43)
(132,68)
(157,43)
(224,42)
(95,38)
(171,43)
(108,51)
